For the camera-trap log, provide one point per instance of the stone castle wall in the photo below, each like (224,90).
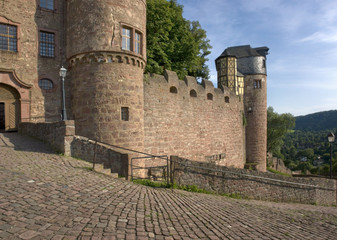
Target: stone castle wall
(253,184)
(106,80)
(204,128)
(27,64)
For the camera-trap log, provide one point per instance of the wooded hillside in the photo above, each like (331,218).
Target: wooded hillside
(317,121)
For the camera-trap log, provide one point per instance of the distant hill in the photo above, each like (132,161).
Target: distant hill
(317,121)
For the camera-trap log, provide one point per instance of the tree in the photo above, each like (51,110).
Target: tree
(278,126)
(173,42)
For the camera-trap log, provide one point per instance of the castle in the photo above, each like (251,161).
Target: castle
(102,43)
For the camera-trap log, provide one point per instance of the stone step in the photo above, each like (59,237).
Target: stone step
(99,167)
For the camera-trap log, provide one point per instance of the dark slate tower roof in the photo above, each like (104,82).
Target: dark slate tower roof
(244,51)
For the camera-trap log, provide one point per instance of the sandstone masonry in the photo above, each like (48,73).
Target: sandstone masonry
(102,43)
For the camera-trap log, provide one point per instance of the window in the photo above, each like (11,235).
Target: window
(48,4)
(193,93)
(173,90)
(47,44)
(125,113)
(131,40)
(209,96)
(257,84)
(46,84)
(137,43)
(264,63)
(8,37)
(227,99)
(126,39)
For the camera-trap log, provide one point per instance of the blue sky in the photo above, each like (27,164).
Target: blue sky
(301,36)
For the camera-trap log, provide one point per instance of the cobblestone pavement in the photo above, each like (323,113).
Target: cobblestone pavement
(47,196)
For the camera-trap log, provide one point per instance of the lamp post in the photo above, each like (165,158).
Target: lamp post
(331,139)
(63,73)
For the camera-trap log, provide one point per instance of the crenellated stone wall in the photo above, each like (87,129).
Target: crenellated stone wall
(207,127)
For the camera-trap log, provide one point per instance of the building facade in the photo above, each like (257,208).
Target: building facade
(102,43)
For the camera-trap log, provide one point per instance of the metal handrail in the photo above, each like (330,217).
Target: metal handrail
(128,149)
(164,157)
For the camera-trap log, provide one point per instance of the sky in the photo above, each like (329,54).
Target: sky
(301,36)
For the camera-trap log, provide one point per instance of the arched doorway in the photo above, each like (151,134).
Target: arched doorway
(14,100)
(9,108)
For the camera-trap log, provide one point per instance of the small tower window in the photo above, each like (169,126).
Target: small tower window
(193,93)
(173,90)
(126,39)
(125,113)
(209,96)
(227,99)
(257,84)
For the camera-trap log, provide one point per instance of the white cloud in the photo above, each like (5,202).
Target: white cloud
(317,37)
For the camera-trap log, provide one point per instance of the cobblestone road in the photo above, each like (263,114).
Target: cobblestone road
(47,196)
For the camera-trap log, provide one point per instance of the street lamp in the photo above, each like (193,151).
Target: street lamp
(331,139)
(63,73)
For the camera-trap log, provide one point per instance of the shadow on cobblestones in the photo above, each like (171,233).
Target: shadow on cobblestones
(22,143)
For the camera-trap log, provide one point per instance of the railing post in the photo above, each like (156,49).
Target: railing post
(94,161)
(167,171)
(131,169)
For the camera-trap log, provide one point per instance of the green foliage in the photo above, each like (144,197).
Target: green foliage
(173,42)
(244,120)
(317,121)
(309,150)
(278,126)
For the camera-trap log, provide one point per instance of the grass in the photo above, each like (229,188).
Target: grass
(147,182)
(188,188)
(277,172)
(85,168)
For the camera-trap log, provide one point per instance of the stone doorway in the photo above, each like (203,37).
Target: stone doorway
(15,99)
(9,108)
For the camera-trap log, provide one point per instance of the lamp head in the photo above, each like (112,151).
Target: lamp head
(63,72)
(331,137)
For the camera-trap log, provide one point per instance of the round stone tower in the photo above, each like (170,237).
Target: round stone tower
(106,55)
(252,64)
(249,63)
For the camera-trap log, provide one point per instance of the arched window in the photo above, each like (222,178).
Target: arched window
(209,96)
(46,84)
(227,99)
(173,90)
(193,93)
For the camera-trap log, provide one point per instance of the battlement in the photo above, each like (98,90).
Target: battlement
(192,119)
(190,88)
